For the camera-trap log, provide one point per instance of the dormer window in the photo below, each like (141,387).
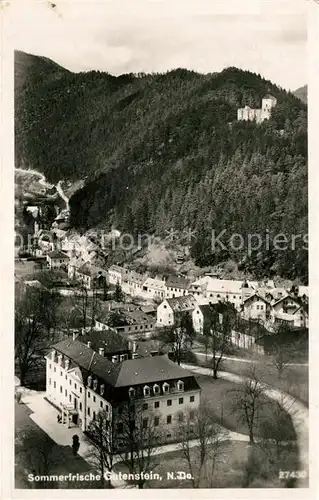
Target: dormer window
(115,359)
(95,385)
(131,392)
(180,385)
(53,354)
(60,359)
(102,388)
(67,364)
(156,389)
(89,380)
(165,387)
(146,391)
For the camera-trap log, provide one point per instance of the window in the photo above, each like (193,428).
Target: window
(106,408)
(192,399)
(181,401)
(180,385)
(89,410)
(146,390)
(169,402)
(156,389)
(80,406)
(257,308)
(94,415)
(145,406)
(66,377)
(75,386)
(131,392)
(80,390)
(70,382)
(101,404)
(66,393)
(89,394)
(70,398)
(49,381)
(156,404)
(144,423)
(50,366)
(54,385)
(169,419)
(165,387)
(54,369)
(60,374)
(261,308)
(94,399)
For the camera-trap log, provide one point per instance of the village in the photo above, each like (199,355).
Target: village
(162,340)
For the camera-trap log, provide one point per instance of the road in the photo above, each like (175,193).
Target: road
(244,360)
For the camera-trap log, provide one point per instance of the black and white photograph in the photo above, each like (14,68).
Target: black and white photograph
(161,283)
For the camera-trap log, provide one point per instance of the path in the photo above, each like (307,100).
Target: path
(245,360)
(42,179)
(297,411)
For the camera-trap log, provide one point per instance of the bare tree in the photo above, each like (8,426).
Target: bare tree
(101,431)
(248,401)
(31,336)
(84,304)
(36,455)
(218,324)
(138,438)
(179,337)
(202,442)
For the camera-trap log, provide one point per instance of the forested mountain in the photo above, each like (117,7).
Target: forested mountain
(302,93)
(164,151)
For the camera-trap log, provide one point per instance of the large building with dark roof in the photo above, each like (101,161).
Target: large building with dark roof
(81,381)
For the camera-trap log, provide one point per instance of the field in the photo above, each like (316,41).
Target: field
(220,395)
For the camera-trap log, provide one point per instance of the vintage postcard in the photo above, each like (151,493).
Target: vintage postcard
(158,156)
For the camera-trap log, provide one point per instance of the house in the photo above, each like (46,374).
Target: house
(256,307)
(81,382)
(132,283)
(74,264)
(176,287)
(169,310)
(129,320)
(57,259)
(116,273)
(107,343)
(153,288)
(91,276)
(200,316)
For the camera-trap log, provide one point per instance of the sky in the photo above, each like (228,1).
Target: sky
(121,36)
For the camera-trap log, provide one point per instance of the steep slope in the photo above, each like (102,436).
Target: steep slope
(166,151)
(302,93)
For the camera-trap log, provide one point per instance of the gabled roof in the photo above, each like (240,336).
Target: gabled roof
(224,286)
(123,374)
(154,283)
(86,269)
(287,296)
(184,303)
(57,254)
(149,369)
(269,96)
(259,296)
(111,341)
(177,282)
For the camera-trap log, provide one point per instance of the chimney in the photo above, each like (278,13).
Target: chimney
(89,343)
(101,351)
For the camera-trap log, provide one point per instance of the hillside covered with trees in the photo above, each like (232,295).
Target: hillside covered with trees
(164,151)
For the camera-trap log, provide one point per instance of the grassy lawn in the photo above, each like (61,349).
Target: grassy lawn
(60,458)
(220,396)
(25,268)
(230,469)
(294,381)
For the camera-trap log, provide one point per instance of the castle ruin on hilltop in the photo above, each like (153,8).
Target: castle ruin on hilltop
(258,115)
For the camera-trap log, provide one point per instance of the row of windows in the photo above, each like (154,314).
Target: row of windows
(66,393)
(156,389)
(145,421)
(168,402)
